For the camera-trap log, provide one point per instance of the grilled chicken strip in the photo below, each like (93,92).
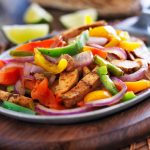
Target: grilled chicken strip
(66,81)
(16,98)
(84,86)
(66,35)
(86,70)
(143,53)
(126,65)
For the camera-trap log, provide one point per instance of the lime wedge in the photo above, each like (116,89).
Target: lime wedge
(22,33)
(36,14)
(78,18)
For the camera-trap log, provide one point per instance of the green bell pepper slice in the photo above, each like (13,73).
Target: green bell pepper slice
(71,49)
(112,68)
(106,81)
(128,96)
(17,108)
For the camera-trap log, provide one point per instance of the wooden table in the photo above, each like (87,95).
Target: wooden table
(113,132)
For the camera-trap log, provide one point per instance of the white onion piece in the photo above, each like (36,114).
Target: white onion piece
(97,40)
(48,111)
(111,100)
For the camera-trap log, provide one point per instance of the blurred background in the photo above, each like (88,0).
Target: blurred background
(107,9)
(114,11)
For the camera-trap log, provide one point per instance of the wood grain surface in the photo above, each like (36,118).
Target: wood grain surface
(113,132)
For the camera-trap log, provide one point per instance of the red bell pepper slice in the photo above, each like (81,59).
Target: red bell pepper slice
(10,76)
(53,42)
(30,46)
(45,96)
(2,63)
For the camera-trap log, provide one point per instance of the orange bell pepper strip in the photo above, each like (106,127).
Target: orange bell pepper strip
(138,86)
(95,51)
(45,96)
(2,63)
(44,44)
(10,76)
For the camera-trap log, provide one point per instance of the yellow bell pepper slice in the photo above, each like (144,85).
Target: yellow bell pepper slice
(130,46)
(96,95)
(114,41)
(124,36)
(48,66)
(103,31)
(138,86)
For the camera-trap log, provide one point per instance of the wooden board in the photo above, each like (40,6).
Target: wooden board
(112,132)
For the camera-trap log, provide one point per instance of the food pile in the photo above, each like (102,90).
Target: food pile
(83,69)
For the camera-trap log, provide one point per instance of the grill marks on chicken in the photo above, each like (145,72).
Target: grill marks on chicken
(66,81)
(84,86)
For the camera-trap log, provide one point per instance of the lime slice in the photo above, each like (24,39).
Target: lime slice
(22,33)
(36,14)
(78,18)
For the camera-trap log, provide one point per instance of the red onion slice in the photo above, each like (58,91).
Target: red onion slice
(50,112)
(31,68)
(51,59)
(52,79)
(118,52)
(19,89)
(27,77)
(111,100)
(97,40)
(96,46)
(83,59)
(138,75)
(19,60)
